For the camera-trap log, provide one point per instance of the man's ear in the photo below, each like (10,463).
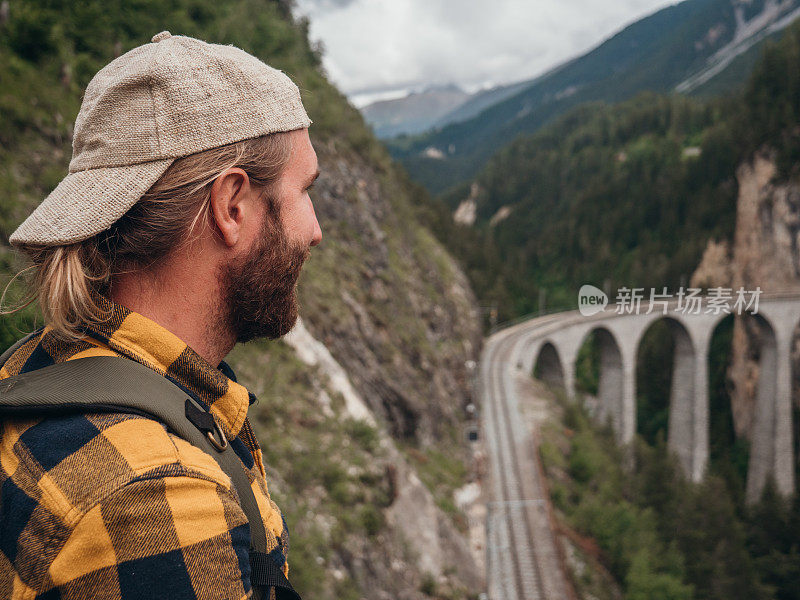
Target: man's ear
(228,204)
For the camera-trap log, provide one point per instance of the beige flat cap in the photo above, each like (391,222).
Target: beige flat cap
(154,104)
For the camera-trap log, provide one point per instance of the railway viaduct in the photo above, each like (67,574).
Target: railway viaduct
(553,349)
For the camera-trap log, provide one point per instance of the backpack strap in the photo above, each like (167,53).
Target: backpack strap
(16,346)
(117,384)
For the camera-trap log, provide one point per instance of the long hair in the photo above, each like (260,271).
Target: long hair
(66,279)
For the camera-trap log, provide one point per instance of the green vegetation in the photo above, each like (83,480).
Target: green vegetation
(654,381)
(13,327)
(770,109)
(604,196)
(659,535)
(728,455)
(587,366)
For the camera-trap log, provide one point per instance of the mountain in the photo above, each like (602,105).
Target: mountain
(752,27)
(415,113)
(480,101)
(627,194)
(361,409)
(685,47)
(436,106)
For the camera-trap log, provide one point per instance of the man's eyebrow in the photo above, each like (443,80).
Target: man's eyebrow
(313,179)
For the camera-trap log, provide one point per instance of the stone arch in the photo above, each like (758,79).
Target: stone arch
(682,392)
(718,412)
(611,379)
(548,365)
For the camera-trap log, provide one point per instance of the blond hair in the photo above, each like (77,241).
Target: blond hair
(67,278)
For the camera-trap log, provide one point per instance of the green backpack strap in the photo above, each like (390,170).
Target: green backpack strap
(117,384)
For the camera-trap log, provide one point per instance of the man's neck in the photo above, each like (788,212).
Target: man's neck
(181,302)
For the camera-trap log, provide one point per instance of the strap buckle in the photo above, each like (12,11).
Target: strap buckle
(223,443)
(207,424)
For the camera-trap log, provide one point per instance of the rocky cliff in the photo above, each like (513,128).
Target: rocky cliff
(765,252)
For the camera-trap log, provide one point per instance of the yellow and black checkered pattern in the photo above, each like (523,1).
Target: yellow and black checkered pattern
(112,505)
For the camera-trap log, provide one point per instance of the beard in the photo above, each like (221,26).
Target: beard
(260,288)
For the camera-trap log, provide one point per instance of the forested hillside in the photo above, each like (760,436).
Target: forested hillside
(625,194)
(361,415)
(657,535)
(609,194)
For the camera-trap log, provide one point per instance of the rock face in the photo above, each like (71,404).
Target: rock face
(412,515)
(398,317)
(388,301)
(765,253)
(466,213)
(767,227)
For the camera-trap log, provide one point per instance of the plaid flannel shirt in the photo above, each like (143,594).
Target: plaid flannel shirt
(112,505)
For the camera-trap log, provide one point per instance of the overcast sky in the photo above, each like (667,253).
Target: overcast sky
(379,45)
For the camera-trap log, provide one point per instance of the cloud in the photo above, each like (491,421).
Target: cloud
(381,44)
(322,6)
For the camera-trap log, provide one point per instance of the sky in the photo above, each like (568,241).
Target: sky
(378,49)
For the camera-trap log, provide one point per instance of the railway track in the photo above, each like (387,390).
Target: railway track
(523,562)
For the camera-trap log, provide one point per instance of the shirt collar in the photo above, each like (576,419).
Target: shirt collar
(145,341)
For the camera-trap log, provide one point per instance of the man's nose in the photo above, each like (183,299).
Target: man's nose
(316,238)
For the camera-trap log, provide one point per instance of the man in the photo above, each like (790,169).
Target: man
(179,231)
